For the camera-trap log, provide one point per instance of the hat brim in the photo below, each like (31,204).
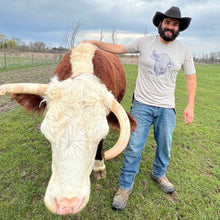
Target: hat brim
(184,22)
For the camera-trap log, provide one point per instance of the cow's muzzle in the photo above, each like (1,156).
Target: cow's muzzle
(66,206)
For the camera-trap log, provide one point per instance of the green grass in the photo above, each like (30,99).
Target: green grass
(25,160)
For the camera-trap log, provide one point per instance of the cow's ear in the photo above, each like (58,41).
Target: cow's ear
(30,102)
(133,122)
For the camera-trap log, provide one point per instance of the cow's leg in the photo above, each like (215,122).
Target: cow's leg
(99,171)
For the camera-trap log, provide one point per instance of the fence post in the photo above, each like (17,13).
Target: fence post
(32,59)
(5,60)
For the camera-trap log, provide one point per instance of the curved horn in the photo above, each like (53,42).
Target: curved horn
(27,88)
(121,144)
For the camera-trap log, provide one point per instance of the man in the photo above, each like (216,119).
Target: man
(160,59)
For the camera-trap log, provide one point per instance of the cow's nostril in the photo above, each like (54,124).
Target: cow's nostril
(66,206)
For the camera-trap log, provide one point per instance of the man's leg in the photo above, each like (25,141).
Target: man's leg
(164,125)
(143,115)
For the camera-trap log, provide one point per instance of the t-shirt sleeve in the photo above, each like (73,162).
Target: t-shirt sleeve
(134,46)
(188,64)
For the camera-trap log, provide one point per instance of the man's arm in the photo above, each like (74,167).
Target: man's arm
(191,93)
(112,48)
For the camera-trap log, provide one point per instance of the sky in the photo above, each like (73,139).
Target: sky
(49,20)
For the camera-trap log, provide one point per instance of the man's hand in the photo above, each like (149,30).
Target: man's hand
(188,115)
(109,47)
(88,41)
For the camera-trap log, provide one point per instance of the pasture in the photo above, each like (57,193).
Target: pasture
(14,60)
(25,159)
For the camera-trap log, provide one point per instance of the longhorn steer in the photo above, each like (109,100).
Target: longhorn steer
(77,103)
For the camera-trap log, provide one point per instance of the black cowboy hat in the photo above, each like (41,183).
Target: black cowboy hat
(173,12)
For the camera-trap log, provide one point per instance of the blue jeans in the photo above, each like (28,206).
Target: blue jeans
(163,120)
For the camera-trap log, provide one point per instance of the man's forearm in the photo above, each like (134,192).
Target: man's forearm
(191,93)
(191,89)
(112,48)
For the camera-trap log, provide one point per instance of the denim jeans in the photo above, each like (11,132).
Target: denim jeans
(163,120)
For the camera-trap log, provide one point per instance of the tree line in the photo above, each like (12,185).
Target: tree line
(18,44)
(70,40)
(209,58)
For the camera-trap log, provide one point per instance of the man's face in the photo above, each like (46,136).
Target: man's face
(168,29)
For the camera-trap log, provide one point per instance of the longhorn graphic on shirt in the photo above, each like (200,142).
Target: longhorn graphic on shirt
(162,63)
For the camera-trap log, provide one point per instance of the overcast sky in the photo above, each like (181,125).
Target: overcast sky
(49,20)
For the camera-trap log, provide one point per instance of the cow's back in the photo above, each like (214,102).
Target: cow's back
(106,66)
(108,69)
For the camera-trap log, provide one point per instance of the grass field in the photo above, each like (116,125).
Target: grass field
(11,63)
(25,163)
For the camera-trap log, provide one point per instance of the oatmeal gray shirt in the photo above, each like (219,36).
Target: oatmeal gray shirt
(159,65)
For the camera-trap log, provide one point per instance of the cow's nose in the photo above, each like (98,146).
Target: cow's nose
(66,206)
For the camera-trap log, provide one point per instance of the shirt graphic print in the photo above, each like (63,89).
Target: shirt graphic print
(162,63)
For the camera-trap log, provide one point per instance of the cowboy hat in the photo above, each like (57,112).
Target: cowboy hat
(173,12)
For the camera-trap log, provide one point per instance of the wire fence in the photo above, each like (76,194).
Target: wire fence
(15,60)
(36,74)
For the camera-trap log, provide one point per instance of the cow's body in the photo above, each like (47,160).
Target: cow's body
(106,66)
(75,123)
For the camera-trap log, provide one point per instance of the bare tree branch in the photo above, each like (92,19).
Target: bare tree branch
(145,31)
(102,34)
(114,35)
(71,34)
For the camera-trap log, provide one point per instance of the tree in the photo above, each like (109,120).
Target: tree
(23,47)
(70,36)
(3,41)
(18,40)
(102,34)
(145,31)
(39,46)
(12,44)
(114,35)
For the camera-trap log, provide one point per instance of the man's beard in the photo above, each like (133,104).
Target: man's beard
(167,38)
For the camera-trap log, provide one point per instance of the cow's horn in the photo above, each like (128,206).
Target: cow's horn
(121,144)
(26,88)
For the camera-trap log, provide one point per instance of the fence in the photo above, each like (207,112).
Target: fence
(13,60)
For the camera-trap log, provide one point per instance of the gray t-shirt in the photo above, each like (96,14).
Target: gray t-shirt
(159,65)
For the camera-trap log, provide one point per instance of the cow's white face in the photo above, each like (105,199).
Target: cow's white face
(74,124)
